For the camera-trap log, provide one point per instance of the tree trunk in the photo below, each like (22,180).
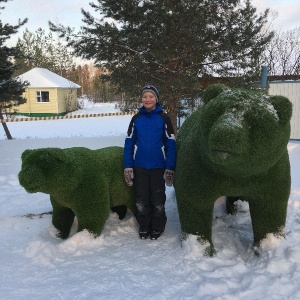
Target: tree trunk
(172,112)
(6,130)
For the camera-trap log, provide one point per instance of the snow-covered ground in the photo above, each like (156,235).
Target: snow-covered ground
(34,264)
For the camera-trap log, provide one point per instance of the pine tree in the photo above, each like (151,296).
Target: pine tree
(170,43)
(11,89)
(41,50)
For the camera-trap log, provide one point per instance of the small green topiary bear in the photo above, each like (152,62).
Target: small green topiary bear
(234,145)
(81,182)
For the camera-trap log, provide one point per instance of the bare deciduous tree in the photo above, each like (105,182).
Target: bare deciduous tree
(282,54)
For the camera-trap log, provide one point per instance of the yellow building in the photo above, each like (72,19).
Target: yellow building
(47,94)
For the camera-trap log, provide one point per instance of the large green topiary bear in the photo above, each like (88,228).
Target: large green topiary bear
(234,145)
(81,182)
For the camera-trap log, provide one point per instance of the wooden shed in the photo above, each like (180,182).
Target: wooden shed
(291,90)
(47,94)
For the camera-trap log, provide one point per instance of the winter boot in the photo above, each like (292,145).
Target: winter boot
(144,233)
(155,234)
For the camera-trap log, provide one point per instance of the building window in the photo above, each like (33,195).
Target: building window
(42,96)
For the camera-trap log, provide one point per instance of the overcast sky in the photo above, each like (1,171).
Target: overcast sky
(68,12)
(39,12)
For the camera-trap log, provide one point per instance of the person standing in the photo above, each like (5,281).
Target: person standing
(149,162)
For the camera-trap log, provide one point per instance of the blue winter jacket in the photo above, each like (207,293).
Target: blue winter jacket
(150,141)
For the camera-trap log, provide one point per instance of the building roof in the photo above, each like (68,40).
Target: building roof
(283,81)
(43,78)
(283,77)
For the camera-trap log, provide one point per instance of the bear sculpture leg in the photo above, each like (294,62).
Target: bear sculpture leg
(197,220)
(121,210)
(62,219)
(230,206)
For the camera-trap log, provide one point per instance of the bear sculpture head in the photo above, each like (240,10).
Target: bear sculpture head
(243,132)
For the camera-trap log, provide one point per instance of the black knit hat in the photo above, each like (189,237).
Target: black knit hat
(152,89)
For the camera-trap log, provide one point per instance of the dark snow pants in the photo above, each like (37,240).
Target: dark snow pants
(150,198)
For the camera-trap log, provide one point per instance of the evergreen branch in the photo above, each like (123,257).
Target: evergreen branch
(140,54)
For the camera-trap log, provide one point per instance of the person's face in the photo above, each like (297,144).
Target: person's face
(149,101)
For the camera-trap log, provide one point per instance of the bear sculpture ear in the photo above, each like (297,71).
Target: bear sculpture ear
(213,91)
(283,107)
(54,153)
(25,154)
